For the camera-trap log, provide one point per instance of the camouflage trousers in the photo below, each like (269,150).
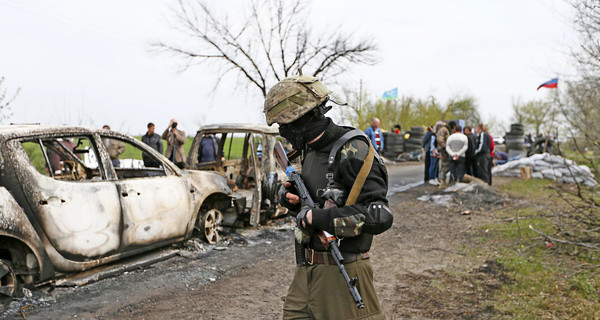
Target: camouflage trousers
(444,169)
(320,292)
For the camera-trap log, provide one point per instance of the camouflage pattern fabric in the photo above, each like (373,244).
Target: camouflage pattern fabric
(355,148)
(293,97)
(348,226)
(441,137)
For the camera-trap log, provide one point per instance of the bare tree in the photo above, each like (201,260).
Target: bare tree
(537,115)
(587,24)
(6,100)
(270,42)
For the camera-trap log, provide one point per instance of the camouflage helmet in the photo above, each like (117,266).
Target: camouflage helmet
(293,97)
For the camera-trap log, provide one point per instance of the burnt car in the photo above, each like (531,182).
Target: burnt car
(66,206)
(245,158)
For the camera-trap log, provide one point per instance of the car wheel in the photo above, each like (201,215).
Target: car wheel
(8,282)
(209,225)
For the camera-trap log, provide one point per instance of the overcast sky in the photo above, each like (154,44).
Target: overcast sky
(88,62)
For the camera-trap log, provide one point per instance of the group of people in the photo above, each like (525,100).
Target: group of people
(450,148)
(175,141)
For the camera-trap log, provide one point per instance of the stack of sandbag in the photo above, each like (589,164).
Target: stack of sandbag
(547,166)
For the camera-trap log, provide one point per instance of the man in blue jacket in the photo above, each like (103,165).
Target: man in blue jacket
(374,133)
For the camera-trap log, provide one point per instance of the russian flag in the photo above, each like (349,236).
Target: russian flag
(549,84)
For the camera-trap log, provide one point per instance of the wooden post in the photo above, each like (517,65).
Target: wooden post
(526,173)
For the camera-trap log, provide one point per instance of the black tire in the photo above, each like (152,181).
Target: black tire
(395,149)
(411,148)
(416,132)
(418,129)
(516,133)
(516,126)
(393,144)
(412,140)
(391,155)
(9,283)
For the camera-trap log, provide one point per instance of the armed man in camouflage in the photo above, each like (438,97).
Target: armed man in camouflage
(335,158)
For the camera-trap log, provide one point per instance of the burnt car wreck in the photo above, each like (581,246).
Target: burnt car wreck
(66,207)
(245,158)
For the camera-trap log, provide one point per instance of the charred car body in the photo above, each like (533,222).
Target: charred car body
(245,158)
(66,207)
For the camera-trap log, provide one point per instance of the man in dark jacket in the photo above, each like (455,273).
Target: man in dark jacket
(426,144)
(482,154)
(154,140)
(318,291)
(470,164)
(208,148)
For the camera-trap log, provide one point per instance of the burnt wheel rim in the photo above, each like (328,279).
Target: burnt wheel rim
(8,282)
(211,226)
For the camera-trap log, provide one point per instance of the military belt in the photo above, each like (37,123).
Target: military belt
(322,257)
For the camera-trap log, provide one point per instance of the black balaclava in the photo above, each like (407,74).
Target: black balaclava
(305,128)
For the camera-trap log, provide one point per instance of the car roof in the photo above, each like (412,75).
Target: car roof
(21,130)
(240,127)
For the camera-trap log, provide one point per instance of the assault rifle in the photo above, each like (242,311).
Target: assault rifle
(329,241)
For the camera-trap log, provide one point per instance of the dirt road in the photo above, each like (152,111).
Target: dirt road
(247,277)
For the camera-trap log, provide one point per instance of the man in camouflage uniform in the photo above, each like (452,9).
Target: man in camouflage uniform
(318,290)
(441,137)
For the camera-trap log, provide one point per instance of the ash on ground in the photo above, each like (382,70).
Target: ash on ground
(473,195)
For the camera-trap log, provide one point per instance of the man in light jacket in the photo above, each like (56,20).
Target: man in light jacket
(374,133)
(456,146)
(175,140)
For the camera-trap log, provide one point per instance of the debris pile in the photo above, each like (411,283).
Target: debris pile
(474,195)
(547,166)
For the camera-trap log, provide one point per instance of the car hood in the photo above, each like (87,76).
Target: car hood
(206,181)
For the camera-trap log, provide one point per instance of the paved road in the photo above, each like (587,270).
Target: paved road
(404,176)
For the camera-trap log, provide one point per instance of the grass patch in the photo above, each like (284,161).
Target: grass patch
(550,281)
(528,188)
(133,153)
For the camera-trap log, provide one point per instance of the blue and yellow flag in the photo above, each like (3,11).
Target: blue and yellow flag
(390,94)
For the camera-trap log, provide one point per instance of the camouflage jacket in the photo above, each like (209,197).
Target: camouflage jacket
(441,137)
(355,223)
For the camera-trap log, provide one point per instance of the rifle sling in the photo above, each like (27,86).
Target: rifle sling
(361,177)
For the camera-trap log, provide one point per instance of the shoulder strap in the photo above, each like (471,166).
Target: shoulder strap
(364,170)
(361,177)
(342,141)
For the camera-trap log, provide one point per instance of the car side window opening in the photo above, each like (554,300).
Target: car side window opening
(209,147)
(234,146)
(131,161)
(64,158)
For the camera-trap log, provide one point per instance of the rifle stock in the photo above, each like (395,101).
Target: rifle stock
(328,240)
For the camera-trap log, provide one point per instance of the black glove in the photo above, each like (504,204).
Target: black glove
(283,200)
(301,217)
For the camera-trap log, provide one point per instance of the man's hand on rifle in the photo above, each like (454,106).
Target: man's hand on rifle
(291,201)
(289,198)
(304,220)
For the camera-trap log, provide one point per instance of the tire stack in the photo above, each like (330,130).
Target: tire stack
(413,143)
(393,144)
(514,138)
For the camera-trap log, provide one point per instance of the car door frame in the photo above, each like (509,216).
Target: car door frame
(64,262)
(170,171)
